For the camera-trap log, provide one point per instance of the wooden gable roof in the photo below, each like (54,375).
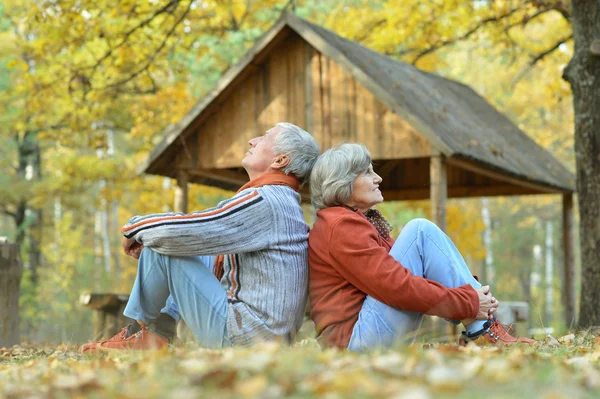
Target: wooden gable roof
(457,121)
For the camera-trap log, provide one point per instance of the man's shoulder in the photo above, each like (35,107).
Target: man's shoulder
(278,198)
(278,191)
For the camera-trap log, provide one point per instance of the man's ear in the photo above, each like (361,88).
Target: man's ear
(280,162)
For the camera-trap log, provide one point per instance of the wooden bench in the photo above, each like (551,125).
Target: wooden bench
(108,316)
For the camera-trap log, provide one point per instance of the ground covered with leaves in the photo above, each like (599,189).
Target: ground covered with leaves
(565,368)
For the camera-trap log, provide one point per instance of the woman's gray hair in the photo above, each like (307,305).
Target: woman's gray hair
(300,147)
(334,172)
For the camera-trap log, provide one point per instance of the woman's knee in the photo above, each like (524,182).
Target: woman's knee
(420,224)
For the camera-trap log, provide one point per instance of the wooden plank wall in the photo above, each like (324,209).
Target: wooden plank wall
(274,93)
(339,110)
(344,111)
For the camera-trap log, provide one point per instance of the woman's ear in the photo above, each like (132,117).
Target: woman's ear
(280,162)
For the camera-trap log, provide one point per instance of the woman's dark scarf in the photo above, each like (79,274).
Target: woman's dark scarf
(381,224)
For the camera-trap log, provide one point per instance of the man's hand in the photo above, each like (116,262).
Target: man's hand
(487,303)
(132,248)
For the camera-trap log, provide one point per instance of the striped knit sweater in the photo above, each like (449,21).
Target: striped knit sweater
(262,228)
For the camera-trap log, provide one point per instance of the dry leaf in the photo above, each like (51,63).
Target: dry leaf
(567,339)
(591,380)
(578,363)
(86,379)
(497,369)
(415,392)
(389,364)
(445,378)
(185,393)
(551,341)
(471,367)
(222,378)
(194,366)
(252,387)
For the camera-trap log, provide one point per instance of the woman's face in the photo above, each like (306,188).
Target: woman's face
(365,190)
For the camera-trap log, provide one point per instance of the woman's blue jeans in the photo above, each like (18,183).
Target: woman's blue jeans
(427,252)
(183,287)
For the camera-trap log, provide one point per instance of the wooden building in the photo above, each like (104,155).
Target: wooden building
(429,137)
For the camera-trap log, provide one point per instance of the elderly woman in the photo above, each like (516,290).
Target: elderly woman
(367,290)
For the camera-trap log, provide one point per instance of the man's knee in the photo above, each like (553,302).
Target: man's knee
(148,255)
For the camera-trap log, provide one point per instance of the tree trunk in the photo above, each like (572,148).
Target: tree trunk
(583,74)
(105,232)
(28,221)
(11,271)
(488,265)
(35,247)
(114,210)
(549,297)
(115,227)
(36,231)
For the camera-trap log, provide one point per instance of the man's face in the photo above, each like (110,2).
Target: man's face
(260,156)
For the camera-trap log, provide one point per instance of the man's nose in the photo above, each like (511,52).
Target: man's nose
(253,141)
(378,178)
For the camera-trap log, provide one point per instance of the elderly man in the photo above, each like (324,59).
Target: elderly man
(262,292)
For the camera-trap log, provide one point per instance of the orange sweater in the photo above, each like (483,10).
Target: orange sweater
(349,260)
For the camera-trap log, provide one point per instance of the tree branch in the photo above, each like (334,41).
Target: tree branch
(443,43)
(168,8)
(5,211)
(136,90)
(543,7)
(538,58)
(560,6)
(526,19)
(370,28)
(550,50)
(153,56)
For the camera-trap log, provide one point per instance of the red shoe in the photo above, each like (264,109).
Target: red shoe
(495,333)
(141,340)
(90,347)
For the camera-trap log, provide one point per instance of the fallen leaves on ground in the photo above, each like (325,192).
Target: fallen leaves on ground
(568,367)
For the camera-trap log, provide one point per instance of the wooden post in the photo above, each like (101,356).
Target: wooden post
(11,271)
(438,193)
(181,205)
(569,260)
(181,192)
(438,190)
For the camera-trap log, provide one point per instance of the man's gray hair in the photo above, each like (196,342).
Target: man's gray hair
(334,172)
(300,147)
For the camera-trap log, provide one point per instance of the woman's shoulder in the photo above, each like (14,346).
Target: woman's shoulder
(338,215)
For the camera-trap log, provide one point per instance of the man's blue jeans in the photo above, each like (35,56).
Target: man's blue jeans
(188,288)
(427,252)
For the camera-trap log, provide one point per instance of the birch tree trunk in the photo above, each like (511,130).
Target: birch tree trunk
(113,210)
(488,269)
(549,302)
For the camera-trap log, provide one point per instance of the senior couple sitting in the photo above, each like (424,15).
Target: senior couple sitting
(238,273)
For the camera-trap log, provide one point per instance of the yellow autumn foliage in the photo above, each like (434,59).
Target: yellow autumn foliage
(95,83)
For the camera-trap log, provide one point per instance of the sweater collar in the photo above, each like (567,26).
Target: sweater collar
(274,179)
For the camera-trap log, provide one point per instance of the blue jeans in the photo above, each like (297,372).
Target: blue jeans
(170,307)
(182,286)
(427,252)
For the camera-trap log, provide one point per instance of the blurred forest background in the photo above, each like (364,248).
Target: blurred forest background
(87,86)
